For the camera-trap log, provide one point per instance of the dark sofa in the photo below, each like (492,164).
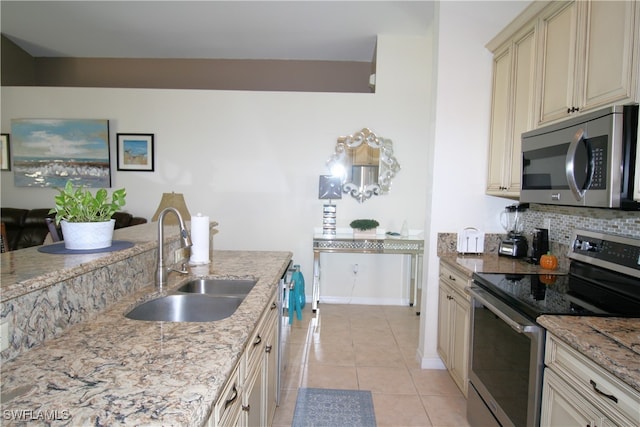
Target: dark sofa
(28,227)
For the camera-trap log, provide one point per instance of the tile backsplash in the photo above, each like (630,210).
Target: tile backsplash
(563,220)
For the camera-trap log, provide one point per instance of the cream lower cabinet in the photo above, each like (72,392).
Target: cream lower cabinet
(258,403)
(453,324)
(577,392)
(249,396)
(588,57)
(226,411)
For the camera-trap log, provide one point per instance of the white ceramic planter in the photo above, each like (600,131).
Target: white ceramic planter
(87,235)
(364,234)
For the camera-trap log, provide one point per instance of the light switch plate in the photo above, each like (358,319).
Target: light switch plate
(4,335)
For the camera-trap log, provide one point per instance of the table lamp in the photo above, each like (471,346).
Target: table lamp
(173,200)
(329,188)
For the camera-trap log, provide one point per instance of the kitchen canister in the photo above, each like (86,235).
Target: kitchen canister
(200,240)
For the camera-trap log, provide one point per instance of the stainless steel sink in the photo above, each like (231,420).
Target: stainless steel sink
(219,287)
(186,308)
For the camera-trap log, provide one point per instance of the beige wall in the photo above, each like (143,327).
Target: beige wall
(218,74)
(20,69)
(251,160)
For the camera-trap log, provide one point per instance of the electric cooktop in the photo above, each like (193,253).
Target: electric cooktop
(538,294)
(603,280)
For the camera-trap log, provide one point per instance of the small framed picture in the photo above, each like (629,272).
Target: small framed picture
(135,152)
(5,153)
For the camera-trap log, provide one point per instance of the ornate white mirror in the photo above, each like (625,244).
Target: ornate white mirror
(365,164)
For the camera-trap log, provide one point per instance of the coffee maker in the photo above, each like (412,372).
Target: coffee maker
(539,244)
(515,245)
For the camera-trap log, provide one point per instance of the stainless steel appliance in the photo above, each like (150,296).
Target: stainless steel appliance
(588,160)
(284,328)
(512,220)
(507,345)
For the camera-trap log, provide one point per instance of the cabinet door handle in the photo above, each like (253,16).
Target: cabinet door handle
(452,278)
(608,396)
(232,398)
(273,306)
(246,408)
(257,341)
(268,348)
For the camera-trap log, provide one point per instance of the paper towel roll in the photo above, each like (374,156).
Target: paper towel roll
(200,239)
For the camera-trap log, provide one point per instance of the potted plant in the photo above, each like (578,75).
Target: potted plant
(86,219)
(364,228)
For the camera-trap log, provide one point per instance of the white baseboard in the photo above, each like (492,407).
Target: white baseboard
(432,363)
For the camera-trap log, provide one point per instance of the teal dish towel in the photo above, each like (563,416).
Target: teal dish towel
(297,298)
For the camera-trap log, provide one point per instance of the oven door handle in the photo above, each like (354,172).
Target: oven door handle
(512,318)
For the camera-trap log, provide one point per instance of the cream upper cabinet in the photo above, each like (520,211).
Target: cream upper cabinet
(512,111)
(587,54)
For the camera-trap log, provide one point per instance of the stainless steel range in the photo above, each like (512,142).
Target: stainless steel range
(507,345)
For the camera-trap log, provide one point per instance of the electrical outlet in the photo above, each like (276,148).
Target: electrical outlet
(4,335)
(181,254)
(547,224)
(355,268)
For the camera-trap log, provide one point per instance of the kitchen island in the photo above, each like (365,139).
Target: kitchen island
(106,369)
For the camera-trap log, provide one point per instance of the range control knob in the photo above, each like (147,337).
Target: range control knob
(584,245)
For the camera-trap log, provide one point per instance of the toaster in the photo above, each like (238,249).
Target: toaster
(470,241)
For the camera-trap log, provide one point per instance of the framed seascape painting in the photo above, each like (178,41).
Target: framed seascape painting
(135,152)
(5,153)
(50,152)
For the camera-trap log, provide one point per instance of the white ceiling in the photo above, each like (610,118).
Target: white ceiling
(302,30)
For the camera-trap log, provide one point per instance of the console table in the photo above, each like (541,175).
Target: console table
(346,243)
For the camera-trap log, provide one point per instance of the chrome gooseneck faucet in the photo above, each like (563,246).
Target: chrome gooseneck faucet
(161,271)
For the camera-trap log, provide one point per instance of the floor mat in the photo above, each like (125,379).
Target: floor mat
(320,407)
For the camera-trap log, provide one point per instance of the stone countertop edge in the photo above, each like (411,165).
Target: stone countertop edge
(492,263)
(113,370)
(579,333)
(28,270)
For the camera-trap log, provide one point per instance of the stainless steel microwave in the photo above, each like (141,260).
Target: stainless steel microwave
(588,160)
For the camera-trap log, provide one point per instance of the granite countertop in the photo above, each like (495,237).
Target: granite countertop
(492,263)
(27,270)
(612,343)
(112,370)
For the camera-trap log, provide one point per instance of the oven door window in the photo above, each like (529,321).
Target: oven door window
(501,360)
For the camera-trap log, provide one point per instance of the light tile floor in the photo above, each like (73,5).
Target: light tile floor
(372,348)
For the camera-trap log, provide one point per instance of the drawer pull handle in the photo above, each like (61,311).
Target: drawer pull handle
(273,306)
(257,341)
(232,398)
(452,278)
(246,408)
(608,396)
(268,348)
